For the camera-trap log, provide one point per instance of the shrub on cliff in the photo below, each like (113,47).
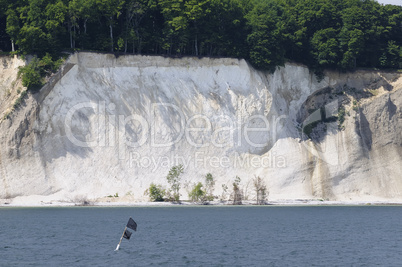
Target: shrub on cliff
(155,192)
(48,65)
(31,75)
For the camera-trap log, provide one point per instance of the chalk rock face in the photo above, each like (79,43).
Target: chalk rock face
(105,125)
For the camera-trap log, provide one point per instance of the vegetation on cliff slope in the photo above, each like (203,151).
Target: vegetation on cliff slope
(34,73)
(342,34)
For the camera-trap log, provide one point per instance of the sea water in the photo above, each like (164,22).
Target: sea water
(203,236)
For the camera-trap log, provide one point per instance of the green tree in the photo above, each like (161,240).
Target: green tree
(225,29)
(353,46)
(136,10)
(360,30)
(209,187)
(31,75)
(32,40)
(265,39)
(41,26)
(74,13)
(176,25)
(197,194)
(32,36)
(392,54)
(12,27)
(195,11)
(110,9)
(55,17)
(301,20)
(325,47)
(173,178)
(80,12)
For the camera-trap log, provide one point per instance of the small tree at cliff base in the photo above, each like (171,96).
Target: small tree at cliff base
(237,194)
(209,187)
(197,194)
(261,191)
(173,178)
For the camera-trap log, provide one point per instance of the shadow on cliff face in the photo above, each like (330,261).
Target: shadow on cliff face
(392,108)
(364,132)
(54,142)
(322,110)
(380,81)
(322,113)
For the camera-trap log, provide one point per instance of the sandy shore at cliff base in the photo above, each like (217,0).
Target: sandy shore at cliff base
(127,201)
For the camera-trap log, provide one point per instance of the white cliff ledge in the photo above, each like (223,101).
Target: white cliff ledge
(107,125)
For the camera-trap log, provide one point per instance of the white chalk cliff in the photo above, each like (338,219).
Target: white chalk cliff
(105,125)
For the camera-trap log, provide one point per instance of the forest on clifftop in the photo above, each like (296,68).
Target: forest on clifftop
(335,34)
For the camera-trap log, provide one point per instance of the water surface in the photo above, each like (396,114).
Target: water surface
(202,236)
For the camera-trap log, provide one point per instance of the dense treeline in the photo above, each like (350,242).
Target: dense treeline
(342,34)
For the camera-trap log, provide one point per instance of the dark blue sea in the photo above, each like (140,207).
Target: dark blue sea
(203,236)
